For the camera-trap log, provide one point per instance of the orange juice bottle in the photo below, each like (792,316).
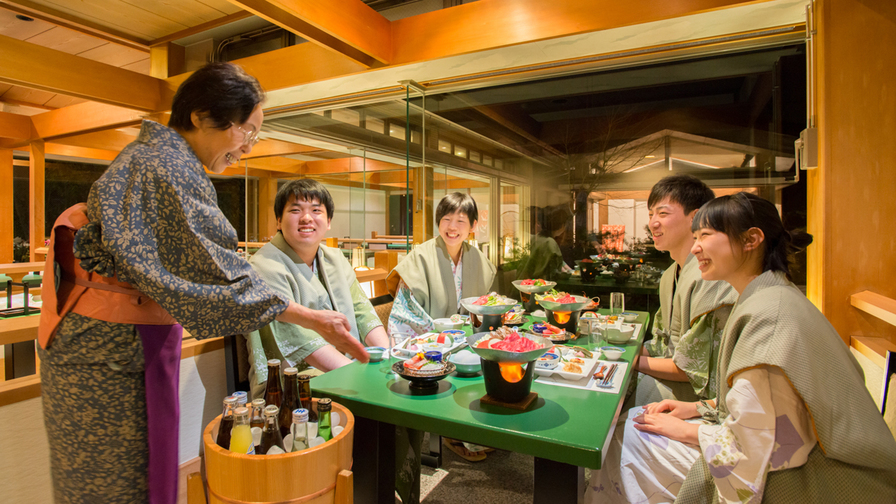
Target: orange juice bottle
(241,436)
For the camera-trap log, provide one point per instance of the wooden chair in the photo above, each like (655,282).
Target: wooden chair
(383,306)
(888,398)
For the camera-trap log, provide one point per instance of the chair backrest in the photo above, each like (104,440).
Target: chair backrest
(888,398)
(383,306)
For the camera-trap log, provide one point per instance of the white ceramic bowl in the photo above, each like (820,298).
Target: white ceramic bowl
(445,324)
(619,336)
(612,353)
(376,353)
(465,362)
(629,316)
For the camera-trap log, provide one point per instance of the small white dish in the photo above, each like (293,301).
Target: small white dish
(612,353)
(446,324)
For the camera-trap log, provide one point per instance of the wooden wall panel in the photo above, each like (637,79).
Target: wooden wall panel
(36,197)
(7,233)
(851,201)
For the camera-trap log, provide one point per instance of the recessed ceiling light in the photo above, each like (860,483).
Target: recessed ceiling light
(21,17)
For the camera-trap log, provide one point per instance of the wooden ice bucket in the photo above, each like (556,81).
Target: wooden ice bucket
(317,475)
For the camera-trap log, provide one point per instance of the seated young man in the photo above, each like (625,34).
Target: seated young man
(314,275)
(679,363)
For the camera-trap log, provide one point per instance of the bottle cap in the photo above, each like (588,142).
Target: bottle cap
(241,412)
(300,415)
(271,410)
(241,397)
(258,403)
(230,400)
(274,362)
(290,371)
(304,377)
(324,404)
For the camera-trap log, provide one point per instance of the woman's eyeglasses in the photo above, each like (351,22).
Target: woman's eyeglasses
(250,138)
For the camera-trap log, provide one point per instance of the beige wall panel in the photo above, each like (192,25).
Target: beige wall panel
(25,454)
(114,54)
(67,41)
(28,95)
(18,29)
(119,15)
(857,175)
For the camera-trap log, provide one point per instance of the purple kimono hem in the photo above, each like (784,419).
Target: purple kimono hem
(161,352)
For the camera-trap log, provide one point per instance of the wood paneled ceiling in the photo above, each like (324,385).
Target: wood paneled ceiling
(86,67)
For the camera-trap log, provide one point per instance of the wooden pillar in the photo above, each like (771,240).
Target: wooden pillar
(385,260)
(422,204)
(166,60)
(7,226)
(267,221)
(36,197)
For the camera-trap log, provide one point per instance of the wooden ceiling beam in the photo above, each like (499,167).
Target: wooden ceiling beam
(349,165)
(479,26)
(37,67)
(348,27)
(65,20)
(276,164)
(80,152)
(113,141)
(15,127)
(86,118)
(270,147)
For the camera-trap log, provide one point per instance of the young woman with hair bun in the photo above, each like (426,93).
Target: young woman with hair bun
(793,421)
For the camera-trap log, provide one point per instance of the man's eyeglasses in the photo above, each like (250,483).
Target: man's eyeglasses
(250,138)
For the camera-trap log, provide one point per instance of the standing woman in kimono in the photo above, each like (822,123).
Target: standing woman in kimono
(793,421)
(150,254)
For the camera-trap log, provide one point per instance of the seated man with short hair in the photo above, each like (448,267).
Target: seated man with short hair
(296,264)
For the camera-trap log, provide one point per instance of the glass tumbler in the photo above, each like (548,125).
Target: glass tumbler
(396,339)
(617,303)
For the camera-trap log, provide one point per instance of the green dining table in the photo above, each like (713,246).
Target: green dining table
(565,428)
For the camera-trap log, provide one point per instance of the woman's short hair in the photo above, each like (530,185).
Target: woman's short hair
(457,202)
(221,92)
(735,214)
(303,189)
(686,190)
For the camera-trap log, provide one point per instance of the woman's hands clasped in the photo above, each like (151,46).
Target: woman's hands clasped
(667,418)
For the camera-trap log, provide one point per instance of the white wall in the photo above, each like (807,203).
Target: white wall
(25,454)
(350,212)
(630,213)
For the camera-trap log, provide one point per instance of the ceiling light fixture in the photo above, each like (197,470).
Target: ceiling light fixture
(22,17)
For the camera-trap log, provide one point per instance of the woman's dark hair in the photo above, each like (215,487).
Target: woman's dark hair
(686,190)
(221,92)
(457,202)
(303,189)
(737,213)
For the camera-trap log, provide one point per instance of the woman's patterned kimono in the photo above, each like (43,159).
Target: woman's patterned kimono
(154,223)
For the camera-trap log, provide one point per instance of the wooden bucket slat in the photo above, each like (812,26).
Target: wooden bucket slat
(313,476)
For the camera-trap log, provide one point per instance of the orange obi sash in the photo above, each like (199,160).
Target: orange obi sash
(87,293)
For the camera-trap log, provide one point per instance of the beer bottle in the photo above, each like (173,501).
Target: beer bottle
(226,425)
(305,397)
(256,420)
(299,429)
(271,440)
(290,399)
(273,390)
(257,417)
(323,409)
(241,437)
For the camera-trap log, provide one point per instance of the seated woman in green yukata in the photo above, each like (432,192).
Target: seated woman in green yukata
(296,265)
(430,282)
(792,422)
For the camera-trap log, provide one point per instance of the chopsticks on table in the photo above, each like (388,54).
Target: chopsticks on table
(608,379)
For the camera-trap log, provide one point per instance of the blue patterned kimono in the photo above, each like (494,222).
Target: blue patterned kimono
(155,223)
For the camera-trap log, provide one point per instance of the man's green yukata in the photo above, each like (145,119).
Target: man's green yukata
(333,286)
(687,328)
